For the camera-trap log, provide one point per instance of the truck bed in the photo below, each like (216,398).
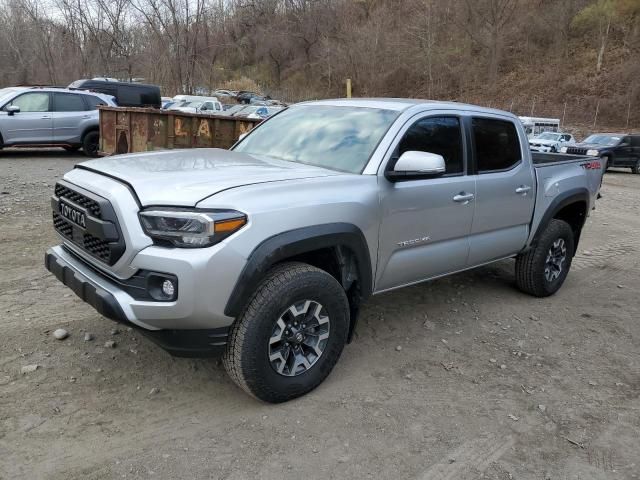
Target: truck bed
(542,159)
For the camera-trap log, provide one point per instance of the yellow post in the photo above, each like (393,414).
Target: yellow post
(348,88)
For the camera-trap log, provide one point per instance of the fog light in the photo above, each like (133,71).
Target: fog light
(167,288)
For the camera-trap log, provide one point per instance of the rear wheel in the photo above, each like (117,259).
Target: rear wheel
(636,168)
(543,269)
(91,143)
(290,335)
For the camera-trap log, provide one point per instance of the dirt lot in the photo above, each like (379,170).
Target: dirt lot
(489,383)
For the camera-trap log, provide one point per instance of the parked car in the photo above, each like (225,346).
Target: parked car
(265,253)
(550,142)
(614,149)
(126,94)
(245,97)
(196,104)
(255,111)
(44,117)
(222,94)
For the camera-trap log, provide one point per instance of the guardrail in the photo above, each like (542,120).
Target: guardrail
(128,130)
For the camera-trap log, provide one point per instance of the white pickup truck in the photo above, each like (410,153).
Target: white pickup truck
(265,253)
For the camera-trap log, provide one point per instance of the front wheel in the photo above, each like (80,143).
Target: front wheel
(542,270)
(91,143)
(290,335)
(636,168)
(605,162)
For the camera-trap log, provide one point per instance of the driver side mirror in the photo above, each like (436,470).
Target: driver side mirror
(12,109)
(415,165)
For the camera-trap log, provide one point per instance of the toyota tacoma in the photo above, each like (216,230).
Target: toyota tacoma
(265,253)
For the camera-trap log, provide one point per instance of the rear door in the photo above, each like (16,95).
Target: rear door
(32,124)
(69,114)
(505,189)
(425,224)
(623,153)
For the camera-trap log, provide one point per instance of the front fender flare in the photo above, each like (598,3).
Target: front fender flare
(296,242)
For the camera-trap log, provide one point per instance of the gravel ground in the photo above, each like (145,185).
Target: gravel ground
(488,382)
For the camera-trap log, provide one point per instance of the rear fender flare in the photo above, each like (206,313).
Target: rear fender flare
(575,195)
(296,242)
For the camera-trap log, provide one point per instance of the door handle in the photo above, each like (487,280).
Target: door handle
(85,117)
(463,197)
(46,117)
(523,189)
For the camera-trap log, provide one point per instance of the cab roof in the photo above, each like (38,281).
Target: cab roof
(403,104)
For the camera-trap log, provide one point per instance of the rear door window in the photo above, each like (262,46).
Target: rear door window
(93,102)
(128,96)
(496,143)
(68,102)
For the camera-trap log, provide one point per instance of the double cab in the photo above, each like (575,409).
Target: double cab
(265,253)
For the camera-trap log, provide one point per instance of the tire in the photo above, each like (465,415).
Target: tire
(532,276)
(554,149)
(253,337)
(91,143)
(605,161)
(71,149)
(636,168)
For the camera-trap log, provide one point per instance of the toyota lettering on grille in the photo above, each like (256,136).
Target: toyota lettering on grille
(73,214)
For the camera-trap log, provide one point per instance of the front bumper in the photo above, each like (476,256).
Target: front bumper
(541,149)
(112,302)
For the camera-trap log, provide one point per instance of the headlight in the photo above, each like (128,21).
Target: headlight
(191,228)
(563,149)
(593,153)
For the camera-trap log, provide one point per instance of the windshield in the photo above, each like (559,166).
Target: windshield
(338,138)
(5,92)
(608,140)
(548,136)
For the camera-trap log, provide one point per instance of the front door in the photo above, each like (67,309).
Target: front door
(32,124)
(425,223)
(505,190)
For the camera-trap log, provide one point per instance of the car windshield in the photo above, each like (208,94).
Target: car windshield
(338,138)
(608,140)
(5,92)
(548,136)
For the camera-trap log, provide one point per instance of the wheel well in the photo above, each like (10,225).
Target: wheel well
(575,215)
(342,264)
(89,130)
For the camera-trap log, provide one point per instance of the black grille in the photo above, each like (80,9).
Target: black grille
(576,151)
(91,205)
(96,247)
(62,226)
(99,235)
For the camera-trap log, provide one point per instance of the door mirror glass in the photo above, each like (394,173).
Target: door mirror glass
(12,109)
(413,164)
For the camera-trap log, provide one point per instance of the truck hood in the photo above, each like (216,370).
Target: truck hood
(590,146)
(184,177)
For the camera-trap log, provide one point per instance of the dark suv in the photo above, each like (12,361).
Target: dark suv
(615,149)
(127,94)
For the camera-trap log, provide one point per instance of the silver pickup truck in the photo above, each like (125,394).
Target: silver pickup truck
(265,253)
